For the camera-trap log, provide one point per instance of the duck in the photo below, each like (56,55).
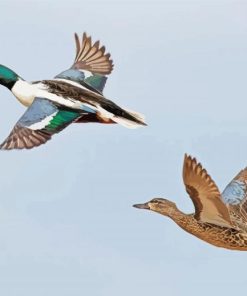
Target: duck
(220,219)
(73,96)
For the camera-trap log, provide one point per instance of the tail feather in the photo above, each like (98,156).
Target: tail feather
(126,122)
(137,115)
(124,117)
(137,121)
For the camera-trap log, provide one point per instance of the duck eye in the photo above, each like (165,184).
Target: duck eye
(155,201)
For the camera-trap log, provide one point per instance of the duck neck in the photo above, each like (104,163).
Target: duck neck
(180,218)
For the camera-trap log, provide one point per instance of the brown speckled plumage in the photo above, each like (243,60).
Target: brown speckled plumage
(229,238)
(214,221)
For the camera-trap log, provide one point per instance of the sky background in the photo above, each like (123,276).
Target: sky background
(67,226)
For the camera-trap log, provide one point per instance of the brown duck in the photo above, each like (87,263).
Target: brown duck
(219,219)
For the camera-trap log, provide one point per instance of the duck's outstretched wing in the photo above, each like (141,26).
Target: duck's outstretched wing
(204,193)
(37,125)
(91,64)
(235,196)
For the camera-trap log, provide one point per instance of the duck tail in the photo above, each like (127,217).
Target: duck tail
(131,119)
(139,116)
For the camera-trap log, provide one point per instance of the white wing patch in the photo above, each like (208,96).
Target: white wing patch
(86,73)
(43,123)
(74,83)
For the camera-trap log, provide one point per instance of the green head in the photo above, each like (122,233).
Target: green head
(8,77)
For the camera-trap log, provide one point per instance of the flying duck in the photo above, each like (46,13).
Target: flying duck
(75,95)
(220,218)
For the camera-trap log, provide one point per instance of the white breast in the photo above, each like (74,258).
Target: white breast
(24,92)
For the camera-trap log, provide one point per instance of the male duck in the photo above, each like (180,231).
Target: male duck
(219,219)
(74,95)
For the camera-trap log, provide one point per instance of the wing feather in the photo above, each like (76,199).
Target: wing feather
(91,64)
(205,194)
(37,125)
(235,196)
(91,57)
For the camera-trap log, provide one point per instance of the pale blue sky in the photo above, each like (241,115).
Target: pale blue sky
(66,222)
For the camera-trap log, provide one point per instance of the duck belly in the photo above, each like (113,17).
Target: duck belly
(219,236)
(228,238)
